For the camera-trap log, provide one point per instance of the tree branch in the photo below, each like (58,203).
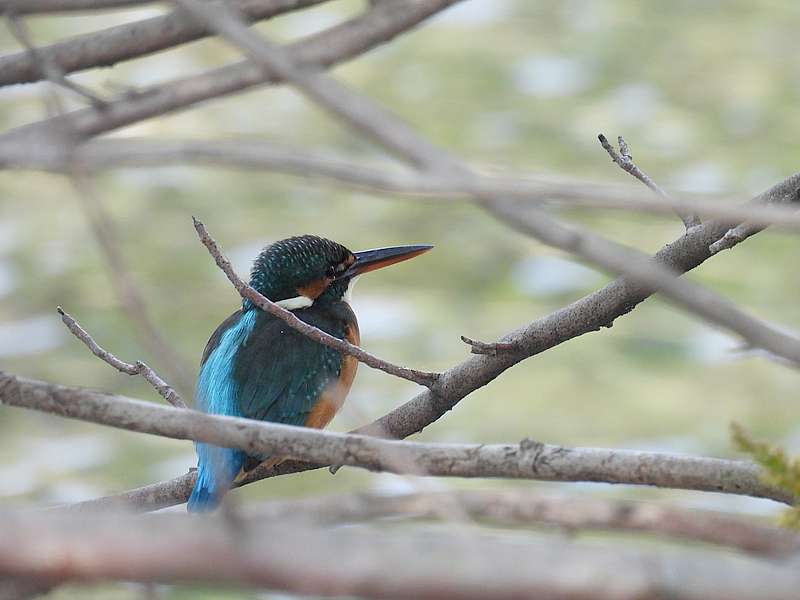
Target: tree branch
(528,508)
(526,460)
(319,51)
(109,46)
(637,266)
(36,7)
(315,165)
(461,564)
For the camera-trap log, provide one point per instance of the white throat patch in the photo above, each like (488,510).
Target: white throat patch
(295,303)
(348,293)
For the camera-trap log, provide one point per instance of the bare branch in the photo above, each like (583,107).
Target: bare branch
(462,564)
(635,265)
(319,51)
(588,314)
(139,368)
(355,110)
(526,460)
(109,46)
(319,336)
(35,7)
(309,163)
(522,507)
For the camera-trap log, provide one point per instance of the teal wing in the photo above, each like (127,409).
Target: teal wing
(280,373)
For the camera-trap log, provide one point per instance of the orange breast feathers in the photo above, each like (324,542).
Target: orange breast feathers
(332,398)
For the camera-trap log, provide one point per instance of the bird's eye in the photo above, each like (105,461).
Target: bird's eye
(330,272)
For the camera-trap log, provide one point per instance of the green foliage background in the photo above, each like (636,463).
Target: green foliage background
(705,92)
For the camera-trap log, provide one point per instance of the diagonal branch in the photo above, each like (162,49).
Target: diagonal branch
(419,377)
(696,299)
(115,44)
(526,460)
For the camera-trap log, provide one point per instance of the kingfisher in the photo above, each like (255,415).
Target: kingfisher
(256,366)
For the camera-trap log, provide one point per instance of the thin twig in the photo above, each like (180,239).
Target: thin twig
(624,159)
(419,377)
(139,368)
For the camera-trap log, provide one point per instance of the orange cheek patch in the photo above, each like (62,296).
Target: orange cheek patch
(314,289)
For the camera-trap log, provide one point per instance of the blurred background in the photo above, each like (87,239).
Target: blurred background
(704,91)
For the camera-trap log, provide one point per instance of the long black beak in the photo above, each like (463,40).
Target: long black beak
(370,260)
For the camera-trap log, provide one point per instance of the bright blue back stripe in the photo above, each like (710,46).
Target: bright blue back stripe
(218,393)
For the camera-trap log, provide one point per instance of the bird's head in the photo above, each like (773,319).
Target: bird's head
(299,271)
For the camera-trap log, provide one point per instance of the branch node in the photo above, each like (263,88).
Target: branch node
(531,445)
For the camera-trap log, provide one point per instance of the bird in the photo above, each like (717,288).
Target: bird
(256,366)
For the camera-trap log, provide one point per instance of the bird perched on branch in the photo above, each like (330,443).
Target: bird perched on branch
(258,367)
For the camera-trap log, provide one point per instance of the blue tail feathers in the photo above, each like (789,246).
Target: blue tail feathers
(218,467)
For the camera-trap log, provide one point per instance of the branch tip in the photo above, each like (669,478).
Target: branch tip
(489,349)
(624,159)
